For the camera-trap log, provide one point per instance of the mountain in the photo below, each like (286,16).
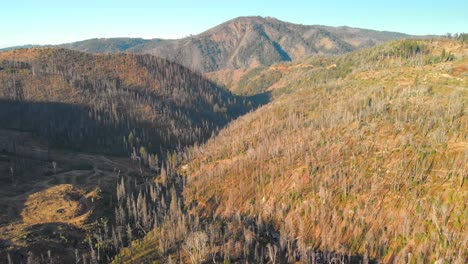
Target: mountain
(107,45)
(28,46)
(245,42)
(252,41)
(360,158)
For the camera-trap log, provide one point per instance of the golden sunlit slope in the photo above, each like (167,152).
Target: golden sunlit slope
(366,155)
(278,78)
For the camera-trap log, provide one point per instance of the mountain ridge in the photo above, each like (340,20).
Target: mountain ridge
(245,42)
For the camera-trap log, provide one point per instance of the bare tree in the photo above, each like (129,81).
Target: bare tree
(196,246)
(272,252)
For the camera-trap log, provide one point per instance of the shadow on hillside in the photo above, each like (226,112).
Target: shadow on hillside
(58,238)
(34,174)
(267,234)
(80,128)
(61,125)
(27,131)
(30,130)
(260,99)
(284,55)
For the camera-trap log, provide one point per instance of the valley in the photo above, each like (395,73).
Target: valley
(256,141)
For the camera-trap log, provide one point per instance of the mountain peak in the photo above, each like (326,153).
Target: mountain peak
(244,42)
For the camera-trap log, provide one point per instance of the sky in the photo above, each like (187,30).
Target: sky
(62,21)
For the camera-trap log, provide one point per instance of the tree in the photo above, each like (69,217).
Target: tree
(54,166)
(12,175)
(196,246)
(272,251)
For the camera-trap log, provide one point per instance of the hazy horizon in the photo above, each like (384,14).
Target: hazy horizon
(55,22)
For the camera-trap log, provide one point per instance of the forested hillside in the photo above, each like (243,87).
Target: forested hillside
(359,158)
(72,125)
(110,103)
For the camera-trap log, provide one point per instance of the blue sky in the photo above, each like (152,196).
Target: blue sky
(61,21)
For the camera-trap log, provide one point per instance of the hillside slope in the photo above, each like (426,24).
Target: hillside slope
(360,157)
(372,162)
(90,102)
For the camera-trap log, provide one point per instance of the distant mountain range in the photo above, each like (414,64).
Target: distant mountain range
(244,42)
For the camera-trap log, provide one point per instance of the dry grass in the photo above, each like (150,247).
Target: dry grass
(61,203)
